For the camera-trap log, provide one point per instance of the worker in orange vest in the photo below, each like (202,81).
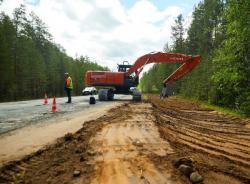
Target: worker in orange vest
(68,87)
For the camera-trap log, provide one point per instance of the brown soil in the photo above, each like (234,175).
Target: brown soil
(137,143)
(218,144)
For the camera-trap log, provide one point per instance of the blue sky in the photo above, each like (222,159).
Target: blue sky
(108,31)
(188,5)
(32,2)
(161,4)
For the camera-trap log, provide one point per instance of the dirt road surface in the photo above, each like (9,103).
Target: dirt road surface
(123,147)
(142,143)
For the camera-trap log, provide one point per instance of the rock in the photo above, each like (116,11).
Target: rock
(91,153)
(76,173)
(186,170)
(195,177)
(185,161)
(39,152)
(138,143)
(59,172)
(79,138)
(68,137)
(82,158)
(78,151)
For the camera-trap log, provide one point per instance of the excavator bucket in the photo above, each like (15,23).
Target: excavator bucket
(166,91)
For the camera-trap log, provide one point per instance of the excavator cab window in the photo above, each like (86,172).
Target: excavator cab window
(124,67)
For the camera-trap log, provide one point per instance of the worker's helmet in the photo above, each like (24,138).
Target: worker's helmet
(66,73)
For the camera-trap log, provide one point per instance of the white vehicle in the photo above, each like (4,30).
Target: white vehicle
(89,91)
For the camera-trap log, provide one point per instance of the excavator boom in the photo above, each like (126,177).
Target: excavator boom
(189,62)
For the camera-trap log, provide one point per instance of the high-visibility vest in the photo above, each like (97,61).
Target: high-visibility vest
(69,83)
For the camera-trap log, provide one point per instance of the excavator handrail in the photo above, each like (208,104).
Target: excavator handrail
(189,63)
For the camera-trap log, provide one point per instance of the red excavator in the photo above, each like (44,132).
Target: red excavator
(127,75)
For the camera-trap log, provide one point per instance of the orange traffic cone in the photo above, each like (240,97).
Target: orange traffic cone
(54,105)
(45,99)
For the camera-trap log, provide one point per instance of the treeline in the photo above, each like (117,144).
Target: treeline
(31,63)
(220,33)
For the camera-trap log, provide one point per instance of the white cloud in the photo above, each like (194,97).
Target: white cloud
(10,5)
(104,30)
(187,22)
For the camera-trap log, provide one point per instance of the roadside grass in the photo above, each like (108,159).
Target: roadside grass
(207,105)
(223,110)
(203,104)
(145,97)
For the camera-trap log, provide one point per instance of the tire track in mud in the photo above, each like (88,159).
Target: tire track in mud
(214,144)
(204,130)
(205,125)
(220,137)
(240,149)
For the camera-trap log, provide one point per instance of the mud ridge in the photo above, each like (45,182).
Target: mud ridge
(217,142)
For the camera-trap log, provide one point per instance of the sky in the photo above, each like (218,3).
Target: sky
(108,31)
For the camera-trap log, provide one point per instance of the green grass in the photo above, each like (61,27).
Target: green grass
(224,110)
(207,105)
(145,97)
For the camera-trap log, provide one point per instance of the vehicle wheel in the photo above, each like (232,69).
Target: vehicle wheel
(106,94)
(110,94)
(103,94)
(136,96)
(92,100)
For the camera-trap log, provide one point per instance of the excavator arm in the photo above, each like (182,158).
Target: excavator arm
(189,62)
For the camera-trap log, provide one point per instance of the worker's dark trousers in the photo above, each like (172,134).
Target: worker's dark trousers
(68,91)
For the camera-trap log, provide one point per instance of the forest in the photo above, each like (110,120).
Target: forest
(31,63)
(220,33)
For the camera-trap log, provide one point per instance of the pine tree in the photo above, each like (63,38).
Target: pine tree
(178,35)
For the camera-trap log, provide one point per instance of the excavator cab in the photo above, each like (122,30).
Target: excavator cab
(124,67)
(129,81)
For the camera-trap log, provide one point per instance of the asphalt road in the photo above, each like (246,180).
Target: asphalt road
(14,115)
